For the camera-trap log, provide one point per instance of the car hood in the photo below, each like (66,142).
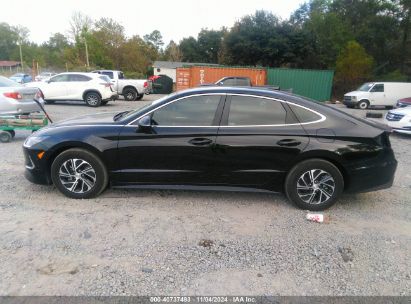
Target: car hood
(355,93)
(94,119)
(402,111)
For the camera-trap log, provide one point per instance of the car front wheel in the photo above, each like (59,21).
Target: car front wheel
(363,104)
(79,174)
(314,184)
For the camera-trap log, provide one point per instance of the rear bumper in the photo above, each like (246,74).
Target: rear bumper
(20,107)
(372,176)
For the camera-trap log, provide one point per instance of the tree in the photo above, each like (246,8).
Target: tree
(155,38)
(353,67)
(8,41)
(190,50)
(256,40)
(172,52)
(209,45)
(106,40)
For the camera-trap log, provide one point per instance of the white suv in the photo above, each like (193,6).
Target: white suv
(93,89)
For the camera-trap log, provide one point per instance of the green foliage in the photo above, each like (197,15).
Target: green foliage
(395,75)
(353,66)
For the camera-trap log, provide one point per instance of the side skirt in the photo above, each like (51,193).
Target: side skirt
(193,188)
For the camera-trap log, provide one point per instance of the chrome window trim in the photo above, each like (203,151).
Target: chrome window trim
(323,118)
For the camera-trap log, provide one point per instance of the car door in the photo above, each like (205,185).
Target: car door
(76,86)
(257,142)
(177,146)
(377,95)
(56,87)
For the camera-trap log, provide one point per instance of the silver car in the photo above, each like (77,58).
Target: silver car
(18,99)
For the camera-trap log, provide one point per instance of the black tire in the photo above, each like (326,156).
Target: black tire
(5,136)
(92,99)
(99,173)
(350,107)
(104,102)
(12,132)
(389,107)
(316,191)
(49,101)
(363,104)
(130,94)
(140,97)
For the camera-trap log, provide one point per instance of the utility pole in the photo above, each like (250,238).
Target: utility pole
(21,56)
(85,43)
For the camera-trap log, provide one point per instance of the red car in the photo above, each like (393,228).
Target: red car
(405,102)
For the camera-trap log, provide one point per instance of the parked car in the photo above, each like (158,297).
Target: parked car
(372,94)
(399,120)
(129,88)
(93,89)
(17,99)
(219,139)
(21,78)
(44,76)
(404,102)
(238,82)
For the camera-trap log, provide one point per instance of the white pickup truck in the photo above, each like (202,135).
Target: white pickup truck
(131,89)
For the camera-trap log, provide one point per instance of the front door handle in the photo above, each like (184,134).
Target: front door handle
(288,143)
(200,141)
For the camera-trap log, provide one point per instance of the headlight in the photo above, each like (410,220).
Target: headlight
(33,140)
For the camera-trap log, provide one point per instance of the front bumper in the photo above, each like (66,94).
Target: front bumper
(36,171)
(401,126)
(350,103)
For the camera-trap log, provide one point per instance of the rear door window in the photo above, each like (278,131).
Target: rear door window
(304,115)
(78,77)
(246,111)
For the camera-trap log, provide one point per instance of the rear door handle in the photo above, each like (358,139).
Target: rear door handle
(288,143)
(200,141)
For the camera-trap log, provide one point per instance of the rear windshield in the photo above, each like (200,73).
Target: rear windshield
(4,82)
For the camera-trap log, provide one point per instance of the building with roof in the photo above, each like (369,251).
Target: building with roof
(8,66)
(169,68)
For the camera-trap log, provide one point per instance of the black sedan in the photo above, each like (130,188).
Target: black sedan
(216,138)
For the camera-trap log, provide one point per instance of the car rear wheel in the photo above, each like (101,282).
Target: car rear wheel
(5,136)
(314,184)
(79,174)
(130,94)
(92,99)
(363,104)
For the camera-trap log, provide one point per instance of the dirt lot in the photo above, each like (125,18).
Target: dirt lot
(152,242)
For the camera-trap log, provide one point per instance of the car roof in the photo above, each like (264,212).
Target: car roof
(79,73)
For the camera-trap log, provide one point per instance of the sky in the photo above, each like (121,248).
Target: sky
(174,19)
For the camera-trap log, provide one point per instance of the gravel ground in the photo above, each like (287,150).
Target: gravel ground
(138,242)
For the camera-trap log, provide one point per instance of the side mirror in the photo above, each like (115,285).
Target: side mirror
(145,122)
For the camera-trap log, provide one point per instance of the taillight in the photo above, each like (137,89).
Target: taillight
(14,95)
(145,84)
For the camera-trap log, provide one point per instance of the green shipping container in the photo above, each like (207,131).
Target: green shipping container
(315,84)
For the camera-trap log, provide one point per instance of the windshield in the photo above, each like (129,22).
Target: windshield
(365,87)
(4,82)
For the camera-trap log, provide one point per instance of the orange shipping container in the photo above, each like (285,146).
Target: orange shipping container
(196,75)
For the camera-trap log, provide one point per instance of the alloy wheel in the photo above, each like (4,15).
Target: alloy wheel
(92,99)
(77,175)
(315,186)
